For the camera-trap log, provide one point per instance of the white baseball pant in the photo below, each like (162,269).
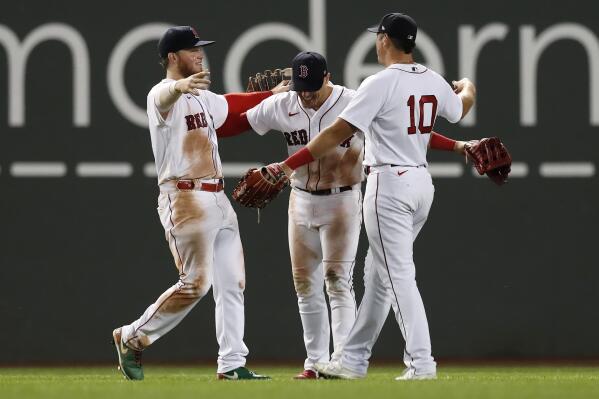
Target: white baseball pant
(203,235)
(323,240)
(396,206)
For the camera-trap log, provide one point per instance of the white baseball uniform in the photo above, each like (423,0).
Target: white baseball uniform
(323,229)
(396,108)
(200,226)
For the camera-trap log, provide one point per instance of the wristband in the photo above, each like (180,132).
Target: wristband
(300,158)
(440,142)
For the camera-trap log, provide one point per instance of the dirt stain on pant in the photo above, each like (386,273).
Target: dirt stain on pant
(185,208)
(301,258)
(186,238)
(188,294)
(338,236)
(335,277)
(143,341)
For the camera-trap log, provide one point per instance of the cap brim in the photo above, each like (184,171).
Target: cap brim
(303,86)
(373,29)
(202,43)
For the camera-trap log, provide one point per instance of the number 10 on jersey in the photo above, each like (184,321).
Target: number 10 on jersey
(421,126)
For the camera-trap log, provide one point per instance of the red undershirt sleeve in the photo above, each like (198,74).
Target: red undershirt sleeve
(237,121)
(440,142)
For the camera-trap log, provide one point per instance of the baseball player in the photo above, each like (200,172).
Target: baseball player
(396,109)
(325,204)
(199,222)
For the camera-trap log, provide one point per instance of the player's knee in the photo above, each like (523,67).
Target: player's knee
(198,291)
(303,288)
(301,281)
(197,287)
(337,282)
(337,287)
(202,291)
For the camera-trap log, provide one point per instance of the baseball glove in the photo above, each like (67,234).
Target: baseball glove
(268,79)
(490,157)
(260,186)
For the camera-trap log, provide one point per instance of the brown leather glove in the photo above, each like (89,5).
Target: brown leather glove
(490,157)
(260,186)
(268,79)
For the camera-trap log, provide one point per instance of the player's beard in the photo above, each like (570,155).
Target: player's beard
(187,69)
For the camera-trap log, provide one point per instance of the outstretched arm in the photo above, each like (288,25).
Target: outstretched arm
(239,103)
(341,130)
(237,121)
(169,94)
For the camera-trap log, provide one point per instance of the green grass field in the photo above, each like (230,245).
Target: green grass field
(200,382)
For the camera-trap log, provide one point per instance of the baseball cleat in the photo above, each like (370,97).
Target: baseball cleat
(129,359)
(336,370)
(307,375)
(410,374)
(241,373)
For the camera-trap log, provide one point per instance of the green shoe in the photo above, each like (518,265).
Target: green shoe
(129,359)
(241,373)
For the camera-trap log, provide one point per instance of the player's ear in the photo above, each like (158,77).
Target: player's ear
(385,39)
(172,58)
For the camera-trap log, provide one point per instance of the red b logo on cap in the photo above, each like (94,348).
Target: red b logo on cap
(303,71)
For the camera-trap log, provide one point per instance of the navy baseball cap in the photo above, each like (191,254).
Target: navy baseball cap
(179,38)
(397,25)
(309,69)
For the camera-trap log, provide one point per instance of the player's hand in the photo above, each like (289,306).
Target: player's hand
(460,147)
(281,87)
(288,171)
(193,83)
(460,85)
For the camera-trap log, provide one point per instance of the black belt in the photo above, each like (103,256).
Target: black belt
(367,168)
(327,191)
